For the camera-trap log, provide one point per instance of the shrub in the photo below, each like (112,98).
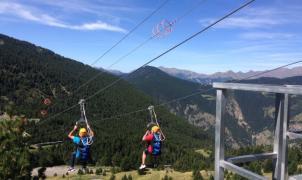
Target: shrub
(141,172)
(125,177)
(80,172)
(196,175)
(98,171)
(112,177)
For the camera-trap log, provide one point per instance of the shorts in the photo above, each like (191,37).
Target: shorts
(147,151)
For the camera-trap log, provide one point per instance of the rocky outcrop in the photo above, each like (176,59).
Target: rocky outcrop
(235,111)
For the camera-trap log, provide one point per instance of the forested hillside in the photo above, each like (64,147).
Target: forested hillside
(249,114)
(30,73)
(164,88)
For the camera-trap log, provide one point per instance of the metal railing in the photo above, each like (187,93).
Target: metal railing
(279,154)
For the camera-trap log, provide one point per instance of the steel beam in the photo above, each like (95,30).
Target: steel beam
(279,155)
(241,171)
(219,133)
(292,135)
(252,157)
(279,106)
(283,154)
(260,88)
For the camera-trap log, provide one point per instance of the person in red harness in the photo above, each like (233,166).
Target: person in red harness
(153,140)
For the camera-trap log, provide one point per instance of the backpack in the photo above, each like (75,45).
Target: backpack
(156,144)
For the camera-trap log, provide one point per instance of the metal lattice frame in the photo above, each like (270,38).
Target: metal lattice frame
(279,154)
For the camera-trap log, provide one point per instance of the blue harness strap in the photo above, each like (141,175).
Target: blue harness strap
(156,144)
(82,148)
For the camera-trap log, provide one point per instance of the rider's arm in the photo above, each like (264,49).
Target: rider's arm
(161,136)
(148,136)
(91,134)
(147,132)
(70,135)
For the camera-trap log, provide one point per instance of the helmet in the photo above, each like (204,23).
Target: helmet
(155,129)
(82,132)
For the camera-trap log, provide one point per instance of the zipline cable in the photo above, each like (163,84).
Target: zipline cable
(160,55)
(123,38)
(172,48)
(139,46)
(126,35)
(199,92)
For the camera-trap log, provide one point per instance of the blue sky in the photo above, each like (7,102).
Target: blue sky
(262,36)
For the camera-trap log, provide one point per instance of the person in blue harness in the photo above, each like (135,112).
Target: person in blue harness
(153,140)
(82,152)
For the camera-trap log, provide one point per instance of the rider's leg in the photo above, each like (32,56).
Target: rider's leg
(73,159)
(144,156)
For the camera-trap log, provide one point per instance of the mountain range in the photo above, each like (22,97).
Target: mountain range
(249,115)
(221,76)
(230,75)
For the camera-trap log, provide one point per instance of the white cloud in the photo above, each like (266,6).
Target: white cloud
(113,11)
(265,35)
(242,22)
(28,13)
(95,7)
(258,18)
(98,25)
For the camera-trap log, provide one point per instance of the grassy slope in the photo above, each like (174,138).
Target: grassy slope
(151,174)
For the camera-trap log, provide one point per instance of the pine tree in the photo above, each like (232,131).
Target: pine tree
(14,155)
(125,177)
(196,175)
(112,177)
(211,177)
(268,165)
(125,164)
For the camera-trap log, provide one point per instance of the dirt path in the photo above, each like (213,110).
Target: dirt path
(59,170)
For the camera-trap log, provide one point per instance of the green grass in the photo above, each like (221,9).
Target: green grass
(206,153)
(150,174)
(208,97)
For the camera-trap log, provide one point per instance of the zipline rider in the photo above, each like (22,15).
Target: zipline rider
(82,152)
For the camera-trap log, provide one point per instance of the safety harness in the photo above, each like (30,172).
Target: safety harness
(83,121)
(153,121)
